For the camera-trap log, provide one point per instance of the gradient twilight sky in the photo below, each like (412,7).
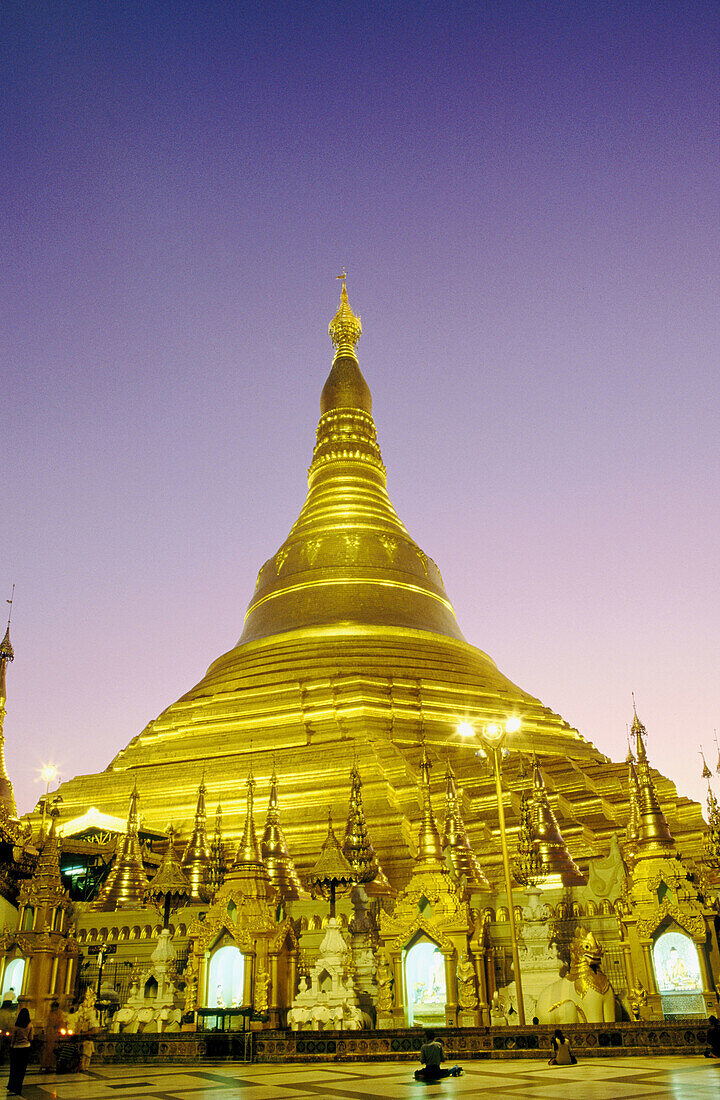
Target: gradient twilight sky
(526,198)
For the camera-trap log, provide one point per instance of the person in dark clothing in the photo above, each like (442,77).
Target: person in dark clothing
(562,1055)
(713,1038)
(20,1046)
(432,1055)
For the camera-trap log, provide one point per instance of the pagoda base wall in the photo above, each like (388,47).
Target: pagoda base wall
(401,1045)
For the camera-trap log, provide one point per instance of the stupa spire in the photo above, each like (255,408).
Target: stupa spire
(345,328)
(632,830)
(196,857)
(217,862)
(357,846)
(429,843)
(46,877)
(248,853)
(654,831)
(547,838)
(7,654)
(125,885)
(456,846)
(348,557)
(274,849)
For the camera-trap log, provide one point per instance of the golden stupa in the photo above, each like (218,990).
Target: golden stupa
(351,651)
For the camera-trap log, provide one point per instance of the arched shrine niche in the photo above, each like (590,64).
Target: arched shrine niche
(226,978)
(13,978)
(425,991)
(677,973)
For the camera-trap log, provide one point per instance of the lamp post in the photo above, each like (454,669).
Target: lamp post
(492,737)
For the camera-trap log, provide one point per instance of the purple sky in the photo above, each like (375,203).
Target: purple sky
(526,199)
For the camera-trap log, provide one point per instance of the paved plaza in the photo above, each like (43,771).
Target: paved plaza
(688,1078)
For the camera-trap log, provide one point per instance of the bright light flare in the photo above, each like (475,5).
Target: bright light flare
(466,729)
(49,773)
(513,725)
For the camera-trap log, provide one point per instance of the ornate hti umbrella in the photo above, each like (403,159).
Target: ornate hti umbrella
(332,872)
(170,888)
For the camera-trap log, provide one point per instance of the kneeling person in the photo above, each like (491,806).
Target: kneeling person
(433,1055)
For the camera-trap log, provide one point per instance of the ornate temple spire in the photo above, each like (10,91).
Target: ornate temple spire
(348,546)
(357,845)
(196,857)
(345,328)
(125,885)
(458,853)
(653,830)
(632,830)
(7,654)
(46,877)
(548,839)
(248,853)
(274,850)
(217,862)
(429,844)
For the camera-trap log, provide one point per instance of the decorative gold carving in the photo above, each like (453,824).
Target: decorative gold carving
(467,983)
(385,999)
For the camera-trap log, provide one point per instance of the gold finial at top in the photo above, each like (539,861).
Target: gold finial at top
(706,773)
(7,653)
(345,328)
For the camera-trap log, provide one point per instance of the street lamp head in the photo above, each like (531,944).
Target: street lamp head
(513,725)
(493,733)
(49,773)
(465,729)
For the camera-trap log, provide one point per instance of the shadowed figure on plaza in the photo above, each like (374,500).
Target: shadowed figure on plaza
(432,1056)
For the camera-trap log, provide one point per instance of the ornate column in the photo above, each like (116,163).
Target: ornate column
(451,996)
(399,1007)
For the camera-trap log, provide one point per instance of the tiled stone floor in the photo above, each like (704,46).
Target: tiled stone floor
(690,1078)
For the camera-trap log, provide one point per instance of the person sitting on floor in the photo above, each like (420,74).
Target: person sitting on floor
(713,1038)
(562,1055)
(432,1055)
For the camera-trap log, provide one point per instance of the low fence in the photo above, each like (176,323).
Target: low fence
(589,1041)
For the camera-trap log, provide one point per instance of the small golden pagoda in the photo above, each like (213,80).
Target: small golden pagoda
(196,857)
(547,838)
(242,955)
(666,918)
(43,951)
(274,850)
(125,885)
(464,864)
(432,919)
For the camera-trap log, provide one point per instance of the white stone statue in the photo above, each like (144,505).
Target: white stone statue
(585,994)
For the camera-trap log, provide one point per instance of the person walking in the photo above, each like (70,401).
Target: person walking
(562,1055)
(20,1046)
(433,1055)
(51,1038)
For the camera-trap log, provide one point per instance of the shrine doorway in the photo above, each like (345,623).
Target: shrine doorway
(226,977)
(425,992)
(677,974)
(13,979)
